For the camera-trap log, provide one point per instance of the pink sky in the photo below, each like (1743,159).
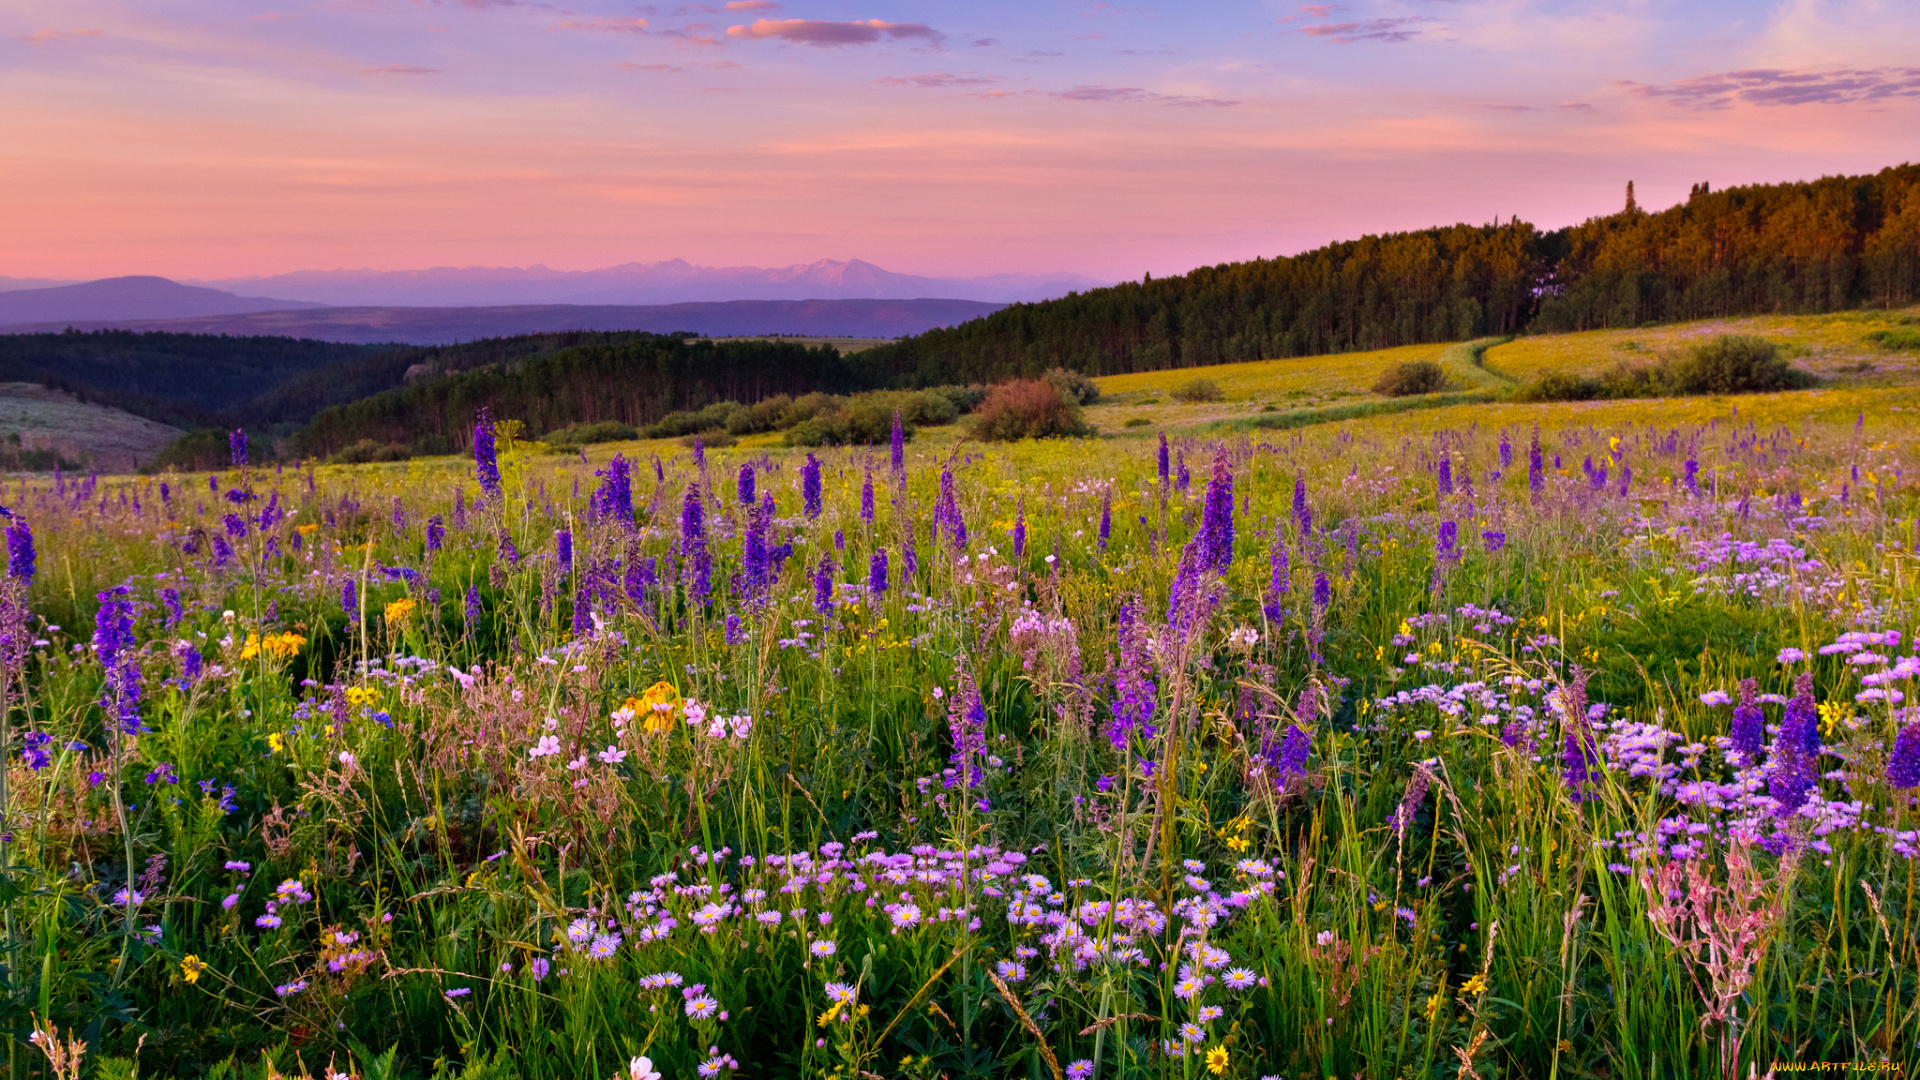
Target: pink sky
(206,139)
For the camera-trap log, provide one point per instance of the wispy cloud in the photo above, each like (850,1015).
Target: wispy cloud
(47,37)
(400,69)
(1401,28)
(822,33)
(938,79)
(1131,94)
(1776,87)
(604,24)
(750,5)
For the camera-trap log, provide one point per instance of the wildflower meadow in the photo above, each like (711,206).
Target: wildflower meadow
(1543,742)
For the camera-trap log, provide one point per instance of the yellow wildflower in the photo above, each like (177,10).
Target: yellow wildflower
(399,611)
(307,529)
(252,648)
(275,743)
(657,707)
(1218,1060)
(362,695)
(190,967)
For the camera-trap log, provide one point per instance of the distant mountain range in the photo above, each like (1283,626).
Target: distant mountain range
(670,282)
(116,299)
(449,325)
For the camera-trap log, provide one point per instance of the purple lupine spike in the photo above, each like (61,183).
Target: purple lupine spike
(1445,473)
(1278,583)
(1749,727)
(640,576)
(1181,478)
(810,486)
(507,550)
(1020,530)
(699,455)
(745,485)
(1791,778)
(166,494)
(967,724)
(1446,543)
(840,540)
(563,549)
(473,605)
(1106,519)
(1302,513)
(1494,539)
(1903,764)
(116,646)
(350,599)
(436,533)
(237,448)
(1134,692)
(170,599)
(486,461)
(1289,757)
(1216,520)
(1536,474)
(659,470)
(460,508)
(955,524)
(1322,591)
(20,554)
(823,586)
(614,498)
(1626,479)
(222,552)
(693,517)
(877,572)
(755,567)
(897,444)
(582,610)
(1412,799)
(866,498)
(1506,450)
(235,525)
(1801,724)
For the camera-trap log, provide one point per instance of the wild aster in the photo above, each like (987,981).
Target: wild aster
(604,946)
(702,1007)
(1189,987)
(1239,978)
(1749,727)
(840,993)
(1012,971)
(1903,764)
(877,572)
(1208,1014)
(823,948)
(1081,1069)
(1193,1032)
(486,462)
(810,486)
(744,486)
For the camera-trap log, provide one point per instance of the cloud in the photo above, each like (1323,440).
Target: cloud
(1132,94)
(984,42)
(604,24)
(45,37)
(1509,108)
(822,33)
(666,69)
(400,69)
(750,5)
(935,80)
(1320,11)
(1346,33)
(1573,105)
(1775,87)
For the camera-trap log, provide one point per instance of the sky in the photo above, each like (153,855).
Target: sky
(220,138)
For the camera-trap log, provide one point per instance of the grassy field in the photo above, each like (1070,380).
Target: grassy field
(82,433)
(1478,740)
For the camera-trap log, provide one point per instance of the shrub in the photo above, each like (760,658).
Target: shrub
(1080,388)
(1560,386)
(676,424)
(574,435)
(965,398)
(1735,364)
(1194,390)
(366,450)
(1027,409)
(1137,421)
(1896,339)
(715,438)
(205,448)
(1412,377)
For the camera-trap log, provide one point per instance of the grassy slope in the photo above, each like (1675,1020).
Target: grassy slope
(112,439)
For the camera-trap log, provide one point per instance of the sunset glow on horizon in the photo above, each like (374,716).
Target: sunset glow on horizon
(202,139)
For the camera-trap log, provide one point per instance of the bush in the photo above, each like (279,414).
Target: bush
(1194,390)
(576,435)
(1027,409)
(713,439)
(965,398)
(1080,388)
(1735,364)
(1896,339)
(366,450)
(1137,421)
(676,424)
(202,449)
(1412,377)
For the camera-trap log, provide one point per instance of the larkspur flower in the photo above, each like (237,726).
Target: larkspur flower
(1903,763)
(486,461)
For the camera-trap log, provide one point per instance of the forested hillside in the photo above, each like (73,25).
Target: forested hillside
(634,382)
(1834,243)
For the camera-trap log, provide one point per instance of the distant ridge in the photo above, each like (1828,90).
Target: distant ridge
(137,297)
(447,325)
(672,281)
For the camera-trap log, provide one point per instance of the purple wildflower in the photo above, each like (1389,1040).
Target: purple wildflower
(1133,686)
(1163,460)
(563,549)
(1494,539)
(436,533)
(237,448)
(1506,450)
(485,460)
(810,486)
(1903,764)
(1322,591)
(1216,519)
(1302,513)
(898,444)
(1446,544)
(877,573)
(20,557)
(1445,473)
(744,485)
(1020,530)
(350,599)
(823,586)
(866,498)
(614,498)
(1749,728)
(1536,474)
(473,605)
(967,722)
(1801,725)
(1278,583)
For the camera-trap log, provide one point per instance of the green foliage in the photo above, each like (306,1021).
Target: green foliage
(1896,339)
(200,449)
(1728,364)
(575,435)
(1412,377)
(1072,384)
(1197,390)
